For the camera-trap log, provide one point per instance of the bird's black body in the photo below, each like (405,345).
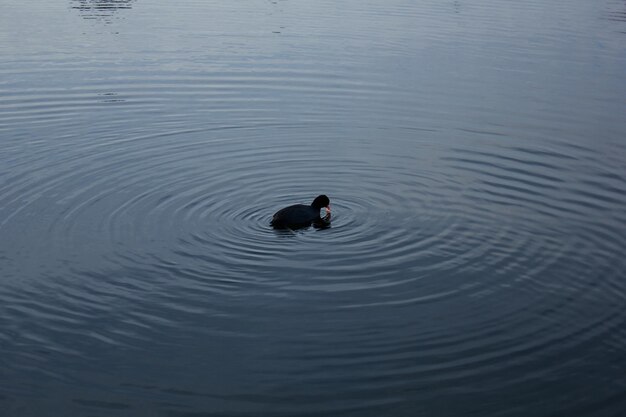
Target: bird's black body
(301,215)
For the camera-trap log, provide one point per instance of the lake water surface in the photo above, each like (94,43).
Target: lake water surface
(474,154)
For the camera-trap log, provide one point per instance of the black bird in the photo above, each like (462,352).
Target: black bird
(301,215)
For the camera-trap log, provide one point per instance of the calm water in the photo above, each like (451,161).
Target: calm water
(474,153)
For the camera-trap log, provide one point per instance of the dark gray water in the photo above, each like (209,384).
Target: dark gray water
(474,153)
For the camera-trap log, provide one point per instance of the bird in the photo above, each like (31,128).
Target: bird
(301,215)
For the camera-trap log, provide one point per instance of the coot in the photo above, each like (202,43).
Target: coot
(301,215)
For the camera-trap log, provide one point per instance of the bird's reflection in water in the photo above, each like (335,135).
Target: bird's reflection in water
(319,224)
(323,222)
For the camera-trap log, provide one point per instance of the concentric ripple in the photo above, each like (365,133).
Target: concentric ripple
(180,220)
(473,155)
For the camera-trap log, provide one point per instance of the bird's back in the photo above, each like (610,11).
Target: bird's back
(295,215)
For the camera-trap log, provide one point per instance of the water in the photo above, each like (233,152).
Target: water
(474,155)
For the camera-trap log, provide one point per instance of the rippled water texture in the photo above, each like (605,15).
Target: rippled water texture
(474,154)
